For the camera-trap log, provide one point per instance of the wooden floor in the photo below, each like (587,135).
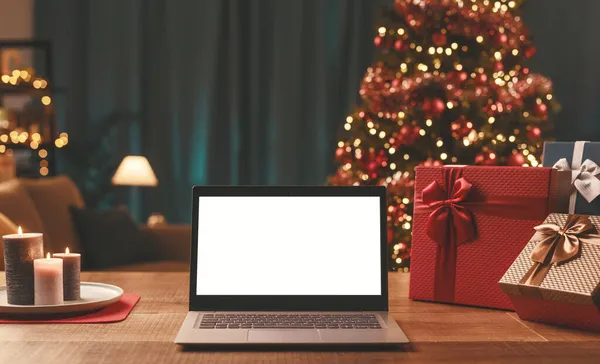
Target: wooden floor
(444,333)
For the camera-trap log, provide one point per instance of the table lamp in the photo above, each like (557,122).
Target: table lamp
(135,170)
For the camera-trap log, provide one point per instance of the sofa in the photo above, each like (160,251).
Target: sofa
(43,205)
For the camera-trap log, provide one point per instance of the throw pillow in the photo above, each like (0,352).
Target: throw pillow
(109,238)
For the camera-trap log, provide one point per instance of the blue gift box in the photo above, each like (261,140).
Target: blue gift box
(582,159)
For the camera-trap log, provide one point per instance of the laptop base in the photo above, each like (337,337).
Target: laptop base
(388,334)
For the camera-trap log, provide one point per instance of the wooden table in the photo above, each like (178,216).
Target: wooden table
(438,332)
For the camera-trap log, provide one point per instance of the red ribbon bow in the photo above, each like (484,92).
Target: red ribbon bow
(450,207)
(449,213)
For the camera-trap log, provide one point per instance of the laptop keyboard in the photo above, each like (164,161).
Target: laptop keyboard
(289,321)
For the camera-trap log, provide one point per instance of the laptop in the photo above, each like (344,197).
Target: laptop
(289,265)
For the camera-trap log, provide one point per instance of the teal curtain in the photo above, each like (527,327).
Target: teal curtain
(225,92)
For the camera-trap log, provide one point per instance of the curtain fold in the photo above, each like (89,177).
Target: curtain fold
(225,92)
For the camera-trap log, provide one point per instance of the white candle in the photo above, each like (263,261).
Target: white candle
(48,281)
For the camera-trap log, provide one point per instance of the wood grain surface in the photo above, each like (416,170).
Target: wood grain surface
(444,333)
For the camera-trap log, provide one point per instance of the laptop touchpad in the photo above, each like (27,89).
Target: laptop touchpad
(283,336)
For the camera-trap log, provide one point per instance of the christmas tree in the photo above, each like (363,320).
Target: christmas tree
(449,86)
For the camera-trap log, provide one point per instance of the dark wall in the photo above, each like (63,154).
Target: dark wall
(567,37)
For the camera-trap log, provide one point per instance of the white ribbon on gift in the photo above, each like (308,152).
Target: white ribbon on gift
(585,177)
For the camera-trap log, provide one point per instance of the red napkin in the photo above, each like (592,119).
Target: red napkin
(116,312)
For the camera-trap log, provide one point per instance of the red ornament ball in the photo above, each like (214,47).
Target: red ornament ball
(486,159)
(501,38)
(529,51)
(416,131)
(534,134)
(459,77)
(498,66)
(433,106)
(516,159)
(481,78)
(372,166)
(405,130)
(340,153)
(408,135)
(381,159)
(400,7)
(377,41)
(426,105)
(431,163)
(438,106)
(439,39)
(461,128)
(541,110)
(398,44)
(390,236)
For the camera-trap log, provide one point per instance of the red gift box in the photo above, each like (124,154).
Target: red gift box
(470,223)
(556,278)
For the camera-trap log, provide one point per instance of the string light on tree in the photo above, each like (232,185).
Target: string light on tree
(25,80)
(449,86)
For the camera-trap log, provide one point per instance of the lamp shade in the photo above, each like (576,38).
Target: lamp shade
(134,170)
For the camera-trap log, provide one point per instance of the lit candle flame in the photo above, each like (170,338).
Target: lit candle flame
(48,256)
(20,231)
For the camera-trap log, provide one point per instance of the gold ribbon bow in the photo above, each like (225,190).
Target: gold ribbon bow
(558,245)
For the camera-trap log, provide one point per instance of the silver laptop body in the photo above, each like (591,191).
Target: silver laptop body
(289,265)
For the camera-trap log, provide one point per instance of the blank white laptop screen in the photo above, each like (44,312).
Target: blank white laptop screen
(293,245)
